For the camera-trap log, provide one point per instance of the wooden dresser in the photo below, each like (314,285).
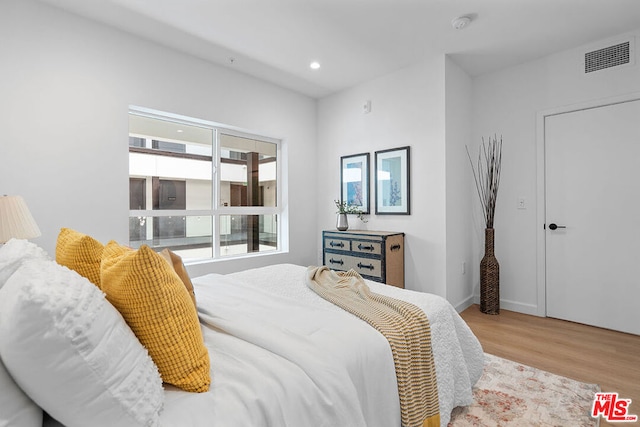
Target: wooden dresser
(376,255)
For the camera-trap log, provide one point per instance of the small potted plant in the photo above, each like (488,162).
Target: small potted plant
(344,209)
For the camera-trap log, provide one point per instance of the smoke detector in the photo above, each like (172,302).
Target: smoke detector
(460,22)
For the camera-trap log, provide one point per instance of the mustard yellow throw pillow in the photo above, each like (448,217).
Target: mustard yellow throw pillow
(80,253)
(178,266)
(154,302)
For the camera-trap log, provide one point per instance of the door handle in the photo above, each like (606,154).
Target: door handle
(554,226)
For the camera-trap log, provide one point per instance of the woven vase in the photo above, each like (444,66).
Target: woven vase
(489,277)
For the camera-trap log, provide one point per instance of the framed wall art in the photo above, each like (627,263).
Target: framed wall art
(354,181)
(392,174)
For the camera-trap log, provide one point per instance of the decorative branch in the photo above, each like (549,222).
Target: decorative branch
(349,209)
(487,176)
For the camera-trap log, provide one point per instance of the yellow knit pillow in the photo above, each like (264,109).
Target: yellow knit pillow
(80,253)
(176,262)
(154,302)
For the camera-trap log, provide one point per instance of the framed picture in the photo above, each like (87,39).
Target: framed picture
(392,181)
(354,181)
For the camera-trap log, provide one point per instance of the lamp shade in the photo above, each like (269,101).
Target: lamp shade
(16,220)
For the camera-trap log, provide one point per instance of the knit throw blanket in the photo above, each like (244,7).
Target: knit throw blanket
(404,325)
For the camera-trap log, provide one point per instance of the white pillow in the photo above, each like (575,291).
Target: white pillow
(71,351)
(16,409)
(14,253)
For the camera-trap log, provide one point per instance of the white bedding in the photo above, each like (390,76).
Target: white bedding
(282,356)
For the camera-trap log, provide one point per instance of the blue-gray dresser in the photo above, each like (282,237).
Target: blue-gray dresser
(376,255)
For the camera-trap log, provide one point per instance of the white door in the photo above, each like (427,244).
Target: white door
(592,190)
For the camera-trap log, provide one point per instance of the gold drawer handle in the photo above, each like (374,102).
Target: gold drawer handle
(334,244)
(365,248)
(333,261)
(395,247)
(361,266)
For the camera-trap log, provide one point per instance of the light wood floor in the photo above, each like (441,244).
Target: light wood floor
(584,353)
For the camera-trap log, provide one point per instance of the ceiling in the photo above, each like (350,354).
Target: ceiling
(358,40)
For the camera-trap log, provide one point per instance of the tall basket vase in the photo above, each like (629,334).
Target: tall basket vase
(489,277)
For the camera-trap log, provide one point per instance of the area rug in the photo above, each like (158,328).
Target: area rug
(511,394)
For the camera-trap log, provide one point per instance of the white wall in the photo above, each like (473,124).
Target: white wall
(459,252)
(507,103)
(66,84)
(407,108)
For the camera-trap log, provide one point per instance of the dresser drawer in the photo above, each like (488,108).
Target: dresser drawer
(365,266)
(337,244)
(366,247)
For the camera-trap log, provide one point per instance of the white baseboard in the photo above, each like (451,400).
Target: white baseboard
(462,306)
(518,307)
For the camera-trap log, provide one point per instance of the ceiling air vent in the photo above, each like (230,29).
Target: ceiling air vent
(607,57)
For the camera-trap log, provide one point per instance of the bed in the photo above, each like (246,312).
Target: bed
(280,356)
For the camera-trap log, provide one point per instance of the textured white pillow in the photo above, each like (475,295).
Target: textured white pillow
(16,409)
(72,352)
(14,253)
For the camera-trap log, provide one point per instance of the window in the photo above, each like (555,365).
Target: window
(202,190)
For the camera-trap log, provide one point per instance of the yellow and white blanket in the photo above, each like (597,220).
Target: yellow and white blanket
(407,329)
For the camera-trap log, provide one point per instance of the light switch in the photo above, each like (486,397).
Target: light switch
(522,203)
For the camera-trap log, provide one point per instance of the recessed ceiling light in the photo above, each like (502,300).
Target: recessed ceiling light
(314,65)
(180,131)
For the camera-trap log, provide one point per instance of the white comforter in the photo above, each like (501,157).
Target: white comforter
(282,356)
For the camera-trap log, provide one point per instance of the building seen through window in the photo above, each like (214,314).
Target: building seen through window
(204,192)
